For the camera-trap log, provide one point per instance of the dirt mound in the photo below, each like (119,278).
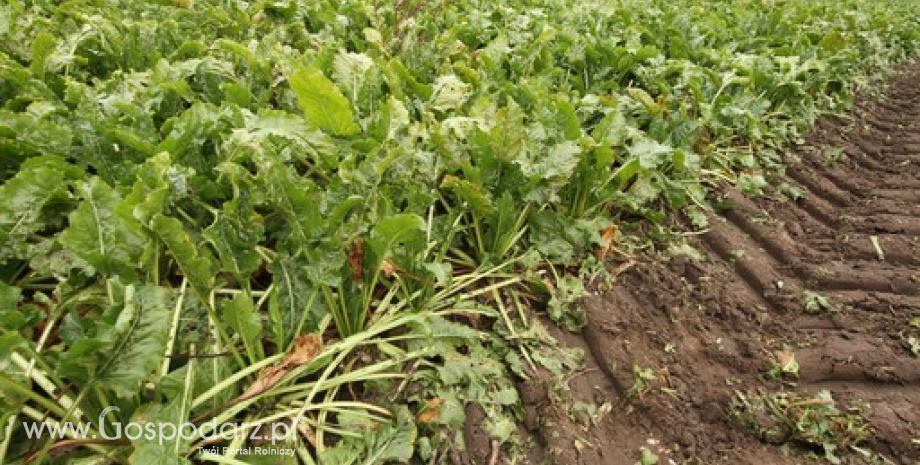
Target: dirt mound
(833,277)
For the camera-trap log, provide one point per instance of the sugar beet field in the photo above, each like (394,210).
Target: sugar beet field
(459,232)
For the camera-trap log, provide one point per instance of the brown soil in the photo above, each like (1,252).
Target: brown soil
(710,327)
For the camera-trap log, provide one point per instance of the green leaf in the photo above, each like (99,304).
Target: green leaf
(469,192)
(449,93)
(128,343)
(500,428)
(558,163)
(22,199)
(293,299)
(646,457)
(24,135)
(236,246)
(437,328)
(394,230)
(109,241)
(350,69)
(651,154)
(913,343)
(9,342)
(295,199)
(11,401)
(507,136)
(345,452)
(391,119)
(196,263)
(163,449)
(322,102)
(237,228)
(42,48)
(151,190)
(752,185)
(394,442)
(240,315)
(9,296)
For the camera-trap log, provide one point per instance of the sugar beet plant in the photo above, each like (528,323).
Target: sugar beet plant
(320,214)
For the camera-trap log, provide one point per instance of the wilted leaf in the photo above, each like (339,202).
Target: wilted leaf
(431,412)
(356,259)
(388,268)
(608,235)
(306,348)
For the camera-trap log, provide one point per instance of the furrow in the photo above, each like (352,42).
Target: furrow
(891,248)
(819,185)
(897,306)
(759,269)
(888,224)
(906,191)
(859,275)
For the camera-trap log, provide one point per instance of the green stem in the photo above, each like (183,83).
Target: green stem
(7,436)
(38,376)
(11,385)
(173,328)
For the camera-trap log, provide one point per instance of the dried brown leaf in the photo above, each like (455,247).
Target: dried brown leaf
(356,259)
(306,348)
(608,235)
(432,413)
(388,268)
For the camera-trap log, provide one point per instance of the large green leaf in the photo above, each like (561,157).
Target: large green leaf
(393,442)
(108,240)
(22,199)
(294,297)
(236,246)
(296,200)
(151,190)
(24,134)
(322,102)
(240,315)
(196,263)
(237,228)
(393,230)
(168,448)
(127,344)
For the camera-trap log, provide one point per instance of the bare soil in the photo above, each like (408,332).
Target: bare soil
(709,327)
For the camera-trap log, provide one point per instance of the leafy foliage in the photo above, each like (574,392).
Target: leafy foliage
(807,420)
(189,187)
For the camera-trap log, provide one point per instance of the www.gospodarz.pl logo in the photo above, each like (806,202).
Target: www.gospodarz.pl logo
(165,431)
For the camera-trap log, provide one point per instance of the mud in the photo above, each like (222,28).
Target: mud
(705,328)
